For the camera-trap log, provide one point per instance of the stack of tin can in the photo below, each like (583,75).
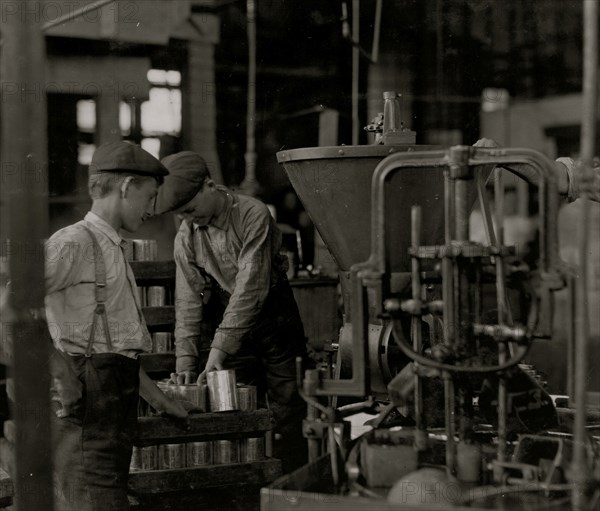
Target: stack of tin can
(198,398)
(198,454)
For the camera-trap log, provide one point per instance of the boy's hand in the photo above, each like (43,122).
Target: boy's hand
(174,409)
(216,357)
(184,377)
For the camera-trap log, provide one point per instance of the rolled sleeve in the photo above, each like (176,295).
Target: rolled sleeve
(63,256)
(252,282)
(189,288)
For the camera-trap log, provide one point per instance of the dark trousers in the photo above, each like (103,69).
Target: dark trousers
(267,359)
(93,443)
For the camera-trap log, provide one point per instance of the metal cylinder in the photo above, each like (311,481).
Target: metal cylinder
(247,398)
(252,449)
(149,457)
(468,462)
(171,456)
(156,296)
(145,250)
(199,454)
(136,459)
(141,291)
(161,342)
(226,452)
(192,395)
(128,250)
(222,390)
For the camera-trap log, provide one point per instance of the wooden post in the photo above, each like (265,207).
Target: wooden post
(25,224)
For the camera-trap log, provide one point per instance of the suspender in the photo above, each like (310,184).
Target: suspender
(100,295)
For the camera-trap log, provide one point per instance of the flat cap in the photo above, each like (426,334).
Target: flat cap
(125,157)
(187,173)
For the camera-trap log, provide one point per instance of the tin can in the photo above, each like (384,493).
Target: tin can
(199,454)
(141,291)
(145,250)
(226,451)
(156,296)
(161,342)
(252,449)
(246,398)
(128,250)
(149,457)
(222,391)
(171,456)
(192,395)
(136,459)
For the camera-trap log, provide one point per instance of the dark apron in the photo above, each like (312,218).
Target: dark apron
(93,442)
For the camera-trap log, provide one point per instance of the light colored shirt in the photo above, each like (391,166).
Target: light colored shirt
(70,291)
(239,250)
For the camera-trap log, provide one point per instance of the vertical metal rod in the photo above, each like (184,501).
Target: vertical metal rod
(501,303)
(449,307)
(447,274)
(416,223)
(25,223)
(463,209)
(588,141)
(449,412)
(376,31)
(314,444)
(250,184)
(355,68)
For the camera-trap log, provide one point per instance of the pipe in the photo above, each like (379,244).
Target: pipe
(355,68)
(501,305)
(588,140)
(543,177)
(76,13)
(416,223)
(376,32)
(449,419)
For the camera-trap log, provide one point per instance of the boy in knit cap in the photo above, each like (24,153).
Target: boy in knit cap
(232,290)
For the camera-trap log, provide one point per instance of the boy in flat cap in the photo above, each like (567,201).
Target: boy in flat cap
(231,287)
(98,330)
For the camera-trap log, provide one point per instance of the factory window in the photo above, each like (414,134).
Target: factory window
(156,121)
(125,114)
(86,127)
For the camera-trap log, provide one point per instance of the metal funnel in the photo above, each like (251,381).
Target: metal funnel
(334,185)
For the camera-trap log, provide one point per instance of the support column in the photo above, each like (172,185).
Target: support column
(25,224)
(199,95)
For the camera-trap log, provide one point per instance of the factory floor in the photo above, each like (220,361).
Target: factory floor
(230,498)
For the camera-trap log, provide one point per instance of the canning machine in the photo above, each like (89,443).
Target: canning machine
(436,333)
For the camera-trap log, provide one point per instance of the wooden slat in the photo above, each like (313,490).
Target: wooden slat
(10,431)
(6,485)
(7,456)
(159,481)
(158,362)
(316,282)
(153,430)
(153,272)
(159,317)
